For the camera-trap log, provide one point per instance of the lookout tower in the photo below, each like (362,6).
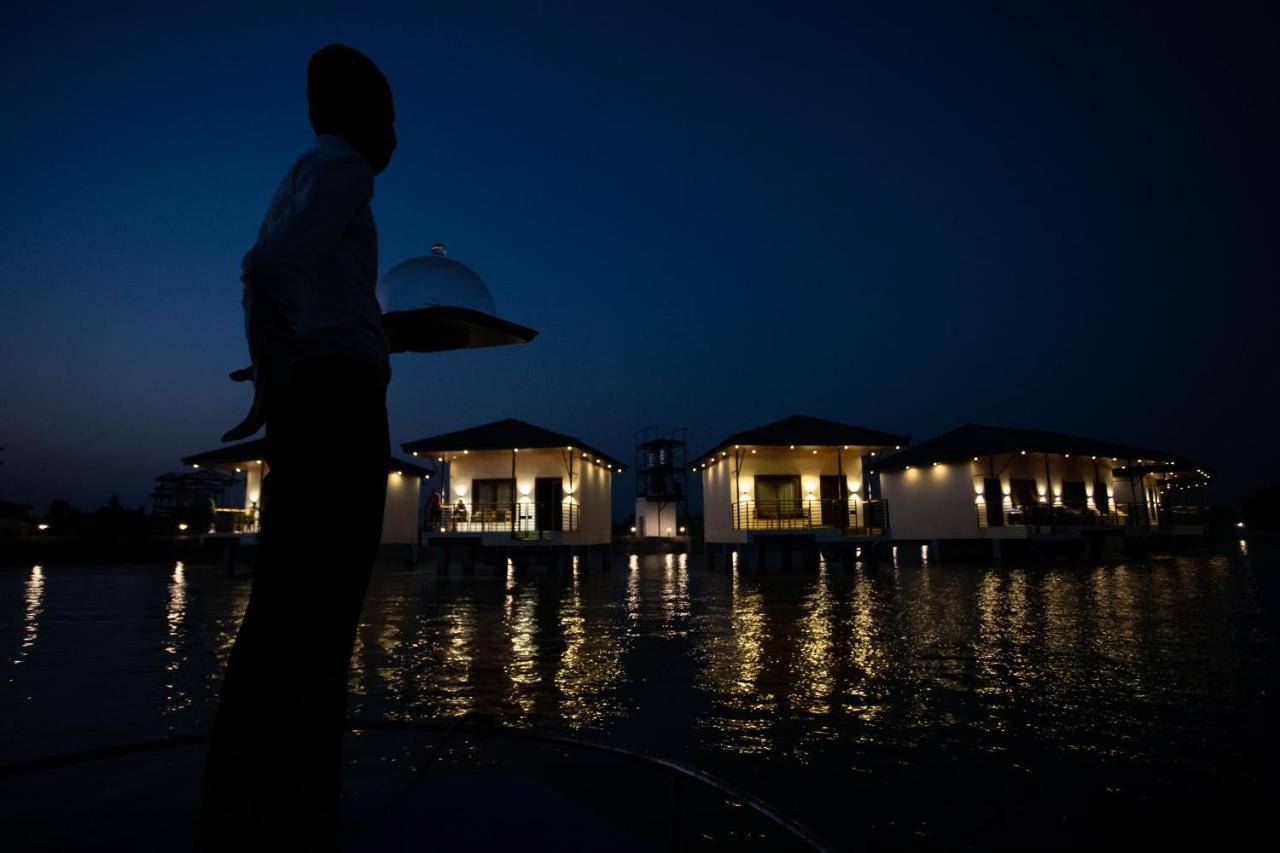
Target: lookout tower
(662,496)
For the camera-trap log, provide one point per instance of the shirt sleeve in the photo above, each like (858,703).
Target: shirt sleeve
(325,197)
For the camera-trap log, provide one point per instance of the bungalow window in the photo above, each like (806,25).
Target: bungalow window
(1073,495)
(1023,492)
(491,500)
(1100,499)
(778,497)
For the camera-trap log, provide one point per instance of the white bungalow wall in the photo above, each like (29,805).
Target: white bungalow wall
(719,483)
(940,502)
(656,518)
(591,489)
(402,512)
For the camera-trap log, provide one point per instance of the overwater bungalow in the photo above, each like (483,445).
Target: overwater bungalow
(998,484)
(798,481)
(513,485)
(401,515)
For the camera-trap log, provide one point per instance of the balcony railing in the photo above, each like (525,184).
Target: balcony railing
(1052,515)
(234,520)
(526,519)
(859,518)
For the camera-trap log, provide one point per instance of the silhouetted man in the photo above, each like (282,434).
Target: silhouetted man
(320,376)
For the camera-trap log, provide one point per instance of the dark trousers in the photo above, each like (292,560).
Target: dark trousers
(273,777)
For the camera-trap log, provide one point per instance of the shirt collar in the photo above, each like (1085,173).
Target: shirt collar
(332,142)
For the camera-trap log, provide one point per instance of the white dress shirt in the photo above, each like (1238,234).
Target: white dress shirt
(309,279)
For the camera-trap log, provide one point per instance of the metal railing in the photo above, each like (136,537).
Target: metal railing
(526,519)
(1053,514)
(235,520)
(854,517)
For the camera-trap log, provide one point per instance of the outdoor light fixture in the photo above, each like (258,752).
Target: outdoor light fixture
(182,525)
(193,465)
(415,453)
(682,530)
(633,530)
(43,526)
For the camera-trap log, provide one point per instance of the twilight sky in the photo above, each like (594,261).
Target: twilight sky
(903,219)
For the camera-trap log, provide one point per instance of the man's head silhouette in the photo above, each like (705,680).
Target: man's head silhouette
(349,97)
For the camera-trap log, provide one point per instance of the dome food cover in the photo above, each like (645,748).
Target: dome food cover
(433,280)
(434,303)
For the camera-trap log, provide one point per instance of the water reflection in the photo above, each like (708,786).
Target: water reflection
(812,668)
(909,678)
(177,695)
(34,600)
(590,668)
(521,629)
(733,661)
(459,636)
(675,595)
(633,588)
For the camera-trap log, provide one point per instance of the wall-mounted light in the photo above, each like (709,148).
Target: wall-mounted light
(182,525)
(459,490)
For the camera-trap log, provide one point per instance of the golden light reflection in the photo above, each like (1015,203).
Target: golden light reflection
(590,666)
(633,588)
(866,651)
(455,682)
(675,595)
(521,630)
(812,682)
(34,595)
(176,696)
(733,658)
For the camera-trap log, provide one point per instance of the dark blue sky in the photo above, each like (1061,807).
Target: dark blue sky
(905,219)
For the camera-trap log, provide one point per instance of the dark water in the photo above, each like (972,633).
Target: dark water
(920,705)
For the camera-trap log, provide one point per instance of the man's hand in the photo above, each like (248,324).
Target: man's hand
(257,412)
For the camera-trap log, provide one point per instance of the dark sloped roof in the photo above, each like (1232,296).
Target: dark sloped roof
(970,440)
(506,434)
(249,451)
(804,431)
